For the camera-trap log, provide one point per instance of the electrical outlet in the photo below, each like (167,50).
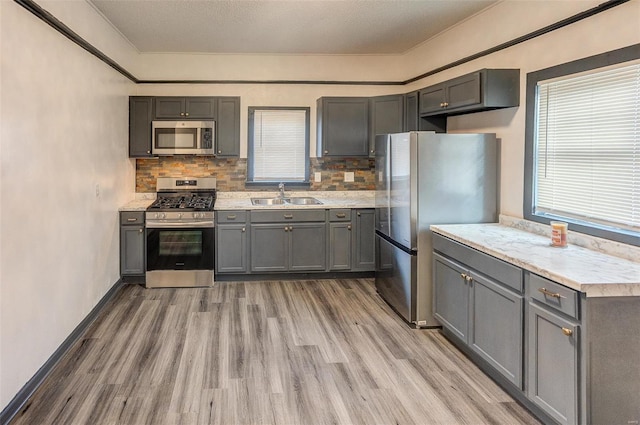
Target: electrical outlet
(97,190)
(348,176)
(317,176)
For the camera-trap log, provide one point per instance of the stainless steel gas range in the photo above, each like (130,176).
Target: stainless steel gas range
(180,233)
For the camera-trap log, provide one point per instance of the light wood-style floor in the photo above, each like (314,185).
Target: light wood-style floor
(278,352)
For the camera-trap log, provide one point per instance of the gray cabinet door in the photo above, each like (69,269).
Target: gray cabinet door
(411,117)
(340,236)
(231,248)
(200,108)
(132,246)
(364,253)
(432,98)
(463,91)
(451,296)
(496,327)
(343,126)
(175,107)
(386,116)
(269,247)
(228,127)
(140,117)
(552,365)
(308,246)
(170,107)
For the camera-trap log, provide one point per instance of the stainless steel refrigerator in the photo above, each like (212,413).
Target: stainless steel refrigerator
(425,178)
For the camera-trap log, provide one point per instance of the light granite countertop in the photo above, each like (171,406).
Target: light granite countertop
(329,199)
(597,274)
(242,200)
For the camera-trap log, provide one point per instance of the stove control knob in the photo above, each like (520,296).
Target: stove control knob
(179,215)
(156,215)
(162,215)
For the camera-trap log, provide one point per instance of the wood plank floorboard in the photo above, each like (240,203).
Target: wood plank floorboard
(264,352)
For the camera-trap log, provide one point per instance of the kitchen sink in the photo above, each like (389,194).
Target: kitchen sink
(303,200)
(267,201)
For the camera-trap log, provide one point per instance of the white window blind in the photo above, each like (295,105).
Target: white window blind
(588,147)
(279,145)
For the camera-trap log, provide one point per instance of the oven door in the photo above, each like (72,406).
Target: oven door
(180,256)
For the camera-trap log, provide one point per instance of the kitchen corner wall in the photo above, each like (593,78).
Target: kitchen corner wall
(231,174)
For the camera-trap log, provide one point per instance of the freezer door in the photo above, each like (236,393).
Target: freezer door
(402,188)
(396,278)
(382,184)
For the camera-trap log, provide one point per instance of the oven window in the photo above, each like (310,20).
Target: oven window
(180,242)
(174,138)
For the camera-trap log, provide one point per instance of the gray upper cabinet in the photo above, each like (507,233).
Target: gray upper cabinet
(478,91)
(132,243)
(343,126)
(411,113)
(140,117)
(386,116)
(185,107)
(228,127)
(364,253)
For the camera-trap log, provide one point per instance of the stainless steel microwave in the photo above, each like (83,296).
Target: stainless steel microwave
(183,137)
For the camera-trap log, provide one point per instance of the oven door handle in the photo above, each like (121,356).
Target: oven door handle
(177,225)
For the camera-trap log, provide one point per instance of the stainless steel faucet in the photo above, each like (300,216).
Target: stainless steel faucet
(281,189)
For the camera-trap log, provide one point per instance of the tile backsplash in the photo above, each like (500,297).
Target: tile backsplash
(231,173)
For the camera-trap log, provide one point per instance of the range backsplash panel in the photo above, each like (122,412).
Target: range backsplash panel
(231,173)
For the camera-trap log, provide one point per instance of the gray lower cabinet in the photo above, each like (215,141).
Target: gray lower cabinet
(552,363)
(364,239)
(495,326)
(479,300)
(132,243)
(232,249)
(340,240)
(288,240)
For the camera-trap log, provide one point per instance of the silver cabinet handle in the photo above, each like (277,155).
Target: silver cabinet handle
(231,217)
(341,215)
(182,114)
(141,230)
(288,216)
(243,229)
(349,227)
(550,294)
(187,114)
(132,220)
(219,151)
(359,214)
(326,152)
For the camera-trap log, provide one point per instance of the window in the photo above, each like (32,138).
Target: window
(583,148)
(278,145)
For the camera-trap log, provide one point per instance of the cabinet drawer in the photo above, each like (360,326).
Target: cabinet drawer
(231,216)
(131,217)
(499,270)
(340,215)
(278,216)
(553,295)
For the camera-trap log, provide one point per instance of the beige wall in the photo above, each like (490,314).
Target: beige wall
(64,131)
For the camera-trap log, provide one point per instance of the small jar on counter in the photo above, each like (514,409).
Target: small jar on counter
(559,234)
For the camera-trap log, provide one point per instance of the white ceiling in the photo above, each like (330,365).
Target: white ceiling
(284,27)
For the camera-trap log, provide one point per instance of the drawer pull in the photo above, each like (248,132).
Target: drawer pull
(141,230)
(349,227)
(131,220)
(231,217)
(341,215)
(244,229)
(288,216)
(567,331)
(550,294)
